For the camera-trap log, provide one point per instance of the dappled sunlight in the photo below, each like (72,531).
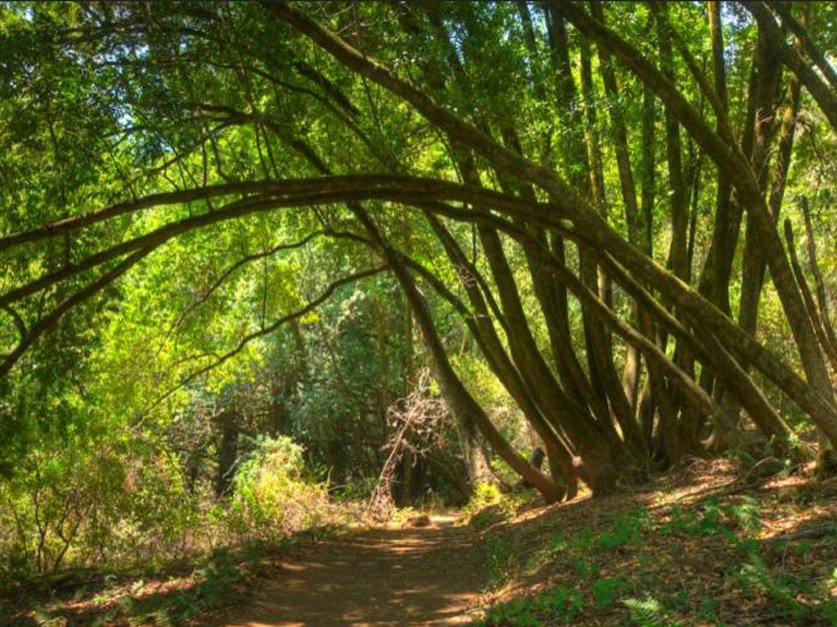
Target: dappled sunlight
(379,577)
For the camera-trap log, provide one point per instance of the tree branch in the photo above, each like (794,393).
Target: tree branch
(268,329)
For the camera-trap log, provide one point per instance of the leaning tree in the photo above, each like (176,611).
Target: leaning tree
(572,180)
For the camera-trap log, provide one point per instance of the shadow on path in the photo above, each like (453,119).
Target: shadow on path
(377,578)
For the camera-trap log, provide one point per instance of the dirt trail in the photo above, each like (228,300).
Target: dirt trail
(378,578)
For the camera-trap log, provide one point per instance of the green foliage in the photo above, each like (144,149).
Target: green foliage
(498,555)
(484,494)
(608,589)
(214,586)
(587,568)
(727,521)
(746,515)
(560,604)
(357,489)
(648,612)
(627,529)
(487,505)
(789,596)
(273,495)
(74,501)
(709,611)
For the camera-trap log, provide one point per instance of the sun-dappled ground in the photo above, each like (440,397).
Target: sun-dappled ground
(708,545)
(381,577)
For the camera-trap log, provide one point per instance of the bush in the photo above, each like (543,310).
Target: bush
(76,503)
(273,495)
(485,494)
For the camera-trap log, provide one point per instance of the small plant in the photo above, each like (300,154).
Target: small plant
(497,557)
(558,604)
(606,590)
(680,522)
(628,529)
(746,515)
(564,603)
(648,612)
(784,592)
(273,494)
(557,542)
(485,494)
(515,613)
(585,568)
(709,611)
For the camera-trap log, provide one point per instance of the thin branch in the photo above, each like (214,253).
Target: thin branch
(19,323)
(244,260)
(810,305)
(804,38)
(266,330)
(83,294)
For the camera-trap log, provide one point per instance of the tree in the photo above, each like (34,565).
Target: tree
(479,153)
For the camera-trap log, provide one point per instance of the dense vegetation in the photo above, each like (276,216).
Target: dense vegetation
(264,262)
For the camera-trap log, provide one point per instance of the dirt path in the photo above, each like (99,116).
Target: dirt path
(383,577)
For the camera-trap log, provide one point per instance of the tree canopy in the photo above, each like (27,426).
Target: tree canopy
(608,225)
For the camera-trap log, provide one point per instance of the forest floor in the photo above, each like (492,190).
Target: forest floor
(386,577)
(710,544)
(706,545)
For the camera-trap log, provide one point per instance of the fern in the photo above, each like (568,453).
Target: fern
(162,618)
(647,612)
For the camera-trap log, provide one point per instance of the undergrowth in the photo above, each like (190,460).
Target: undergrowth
(619,570)
(201,546)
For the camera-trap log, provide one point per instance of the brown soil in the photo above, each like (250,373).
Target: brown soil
(403,577)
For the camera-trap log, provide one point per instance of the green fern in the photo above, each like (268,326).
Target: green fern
(162,618)
(647,612)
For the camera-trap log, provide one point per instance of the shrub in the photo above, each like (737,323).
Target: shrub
(76,503)
(273,495)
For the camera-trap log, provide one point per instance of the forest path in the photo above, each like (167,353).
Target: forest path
(383,577)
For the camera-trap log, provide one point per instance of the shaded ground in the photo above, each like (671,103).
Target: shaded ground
(377,578)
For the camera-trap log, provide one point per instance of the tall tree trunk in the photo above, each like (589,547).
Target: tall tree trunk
(548,429)
(462,404)
(582,430)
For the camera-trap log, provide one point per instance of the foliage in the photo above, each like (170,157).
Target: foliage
(485,495)
(498,553)
(76,502)
(561,604)
(273,497)
(648,612)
